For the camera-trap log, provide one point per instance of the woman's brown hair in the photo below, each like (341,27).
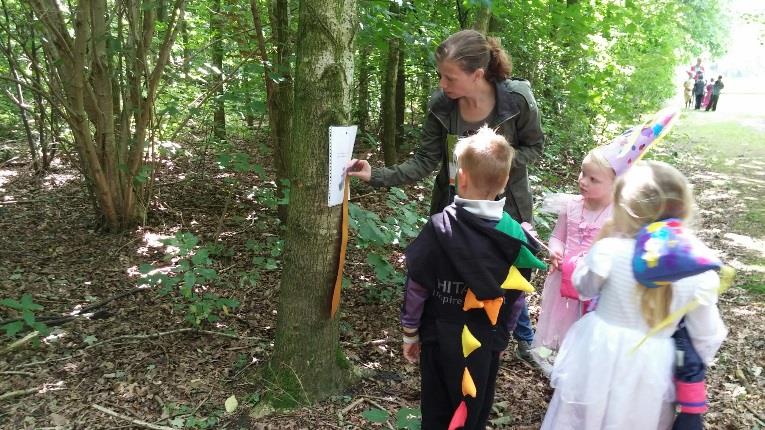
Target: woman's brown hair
(472,51)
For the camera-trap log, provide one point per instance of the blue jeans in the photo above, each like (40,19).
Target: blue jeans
(523,330)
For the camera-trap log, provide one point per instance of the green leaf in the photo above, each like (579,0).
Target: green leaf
(26,301)
(177,422)
(375,415)
(29,317)
(13,304)
(90,340)
(12,328)
(408,418)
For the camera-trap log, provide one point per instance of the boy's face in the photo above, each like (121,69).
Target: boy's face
(595,182)
(456,82)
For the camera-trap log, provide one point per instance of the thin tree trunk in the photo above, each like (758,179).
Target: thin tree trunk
(216,30)
(389,105)
(400,97)
(362,103)
(307,361)
(482,18)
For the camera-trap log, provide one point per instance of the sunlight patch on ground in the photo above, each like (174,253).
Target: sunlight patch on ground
(6,176)
(743,267)
(151,240)
(710,195)
(750,243)
(54,180)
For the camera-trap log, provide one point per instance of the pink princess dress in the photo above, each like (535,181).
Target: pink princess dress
(575,230)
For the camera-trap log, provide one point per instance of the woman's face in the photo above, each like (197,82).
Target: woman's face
(456,82)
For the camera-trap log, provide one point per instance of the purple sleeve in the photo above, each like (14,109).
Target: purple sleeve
(414,303)
(515,312)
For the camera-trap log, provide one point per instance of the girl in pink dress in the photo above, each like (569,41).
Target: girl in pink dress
(708,93)
(579,221)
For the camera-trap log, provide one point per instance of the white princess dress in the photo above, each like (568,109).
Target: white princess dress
(599,382)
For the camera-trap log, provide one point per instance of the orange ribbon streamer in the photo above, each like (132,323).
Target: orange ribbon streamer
(343,247)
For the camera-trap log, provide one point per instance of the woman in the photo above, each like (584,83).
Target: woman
(475,89)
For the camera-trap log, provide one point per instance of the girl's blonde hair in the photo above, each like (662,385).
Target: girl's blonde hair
(596,157)
(650,191)
(486,157)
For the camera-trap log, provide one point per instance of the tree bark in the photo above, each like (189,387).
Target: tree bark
(390,155)
(307,362)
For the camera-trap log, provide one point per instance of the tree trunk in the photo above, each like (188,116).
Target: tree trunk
(482,18)
(389,105)
(277,77)
(109,126)
(216,31)
(362,103)
(400,98)
(307,362)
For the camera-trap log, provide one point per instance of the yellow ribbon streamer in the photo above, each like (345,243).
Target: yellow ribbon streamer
(726,280)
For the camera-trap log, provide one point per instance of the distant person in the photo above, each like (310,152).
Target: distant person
(696,70)
(707,93)
(688,92)
(718,86)
(698,91)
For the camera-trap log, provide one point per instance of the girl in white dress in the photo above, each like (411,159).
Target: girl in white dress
(600,381)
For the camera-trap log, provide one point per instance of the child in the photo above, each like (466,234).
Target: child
(600,379)
(578,224)
(462,281)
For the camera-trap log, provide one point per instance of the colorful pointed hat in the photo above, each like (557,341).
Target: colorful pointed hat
(632,145)
(666,252)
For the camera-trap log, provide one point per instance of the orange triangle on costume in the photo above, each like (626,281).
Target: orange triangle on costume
(471,302)
(516,281)
(468,386)
(492,308)
(459,417)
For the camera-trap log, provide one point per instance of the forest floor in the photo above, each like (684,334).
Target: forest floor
(135,355)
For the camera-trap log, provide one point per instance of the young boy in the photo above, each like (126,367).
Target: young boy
(463,279)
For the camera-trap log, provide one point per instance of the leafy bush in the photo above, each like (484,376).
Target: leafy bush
(188,280)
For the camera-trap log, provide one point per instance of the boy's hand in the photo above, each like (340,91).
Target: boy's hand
(360,169)
(412,352)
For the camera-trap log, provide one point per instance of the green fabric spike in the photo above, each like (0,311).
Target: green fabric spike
(525,259)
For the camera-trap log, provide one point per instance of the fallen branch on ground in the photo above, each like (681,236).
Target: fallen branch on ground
(139,337)
(135,421)
(18,393)
(17,344)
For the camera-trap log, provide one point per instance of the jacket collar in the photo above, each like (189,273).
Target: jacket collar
(443,107)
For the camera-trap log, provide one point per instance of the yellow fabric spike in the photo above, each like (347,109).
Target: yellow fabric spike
(469,342)
(516,281)
(471,302)
(468,386)
(492,308)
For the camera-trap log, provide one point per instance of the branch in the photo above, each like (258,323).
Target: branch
(135,421)
(19,343)
(18,393)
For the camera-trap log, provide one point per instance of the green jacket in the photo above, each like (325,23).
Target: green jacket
(517,118)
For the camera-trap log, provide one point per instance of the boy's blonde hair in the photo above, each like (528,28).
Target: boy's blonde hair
(486,157)
(650,191)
